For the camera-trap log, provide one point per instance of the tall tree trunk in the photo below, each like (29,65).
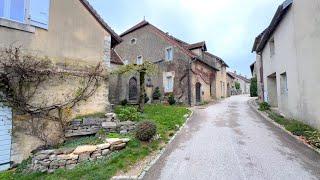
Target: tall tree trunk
(142,90)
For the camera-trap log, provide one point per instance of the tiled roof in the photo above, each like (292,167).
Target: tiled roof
(184,46)
(115,58)
(263,38)
(240,77)
(117,39)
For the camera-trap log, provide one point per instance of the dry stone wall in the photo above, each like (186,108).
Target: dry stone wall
(51,160)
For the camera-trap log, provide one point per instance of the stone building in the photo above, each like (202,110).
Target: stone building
(186,70)
(231,89)
(72,35)
(288,55)
(243,81)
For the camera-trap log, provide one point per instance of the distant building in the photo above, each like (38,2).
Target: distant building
(243,81)
(188,71)
(287,59)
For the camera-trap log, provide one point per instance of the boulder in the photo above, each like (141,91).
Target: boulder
(105,152)
(67,157)
(84,157)
(84,149)
(114,141)
(118,147)
(109,125)
(125,140)
(103,146)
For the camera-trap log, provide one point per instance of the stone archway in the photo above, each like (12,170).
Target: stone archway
(133,89)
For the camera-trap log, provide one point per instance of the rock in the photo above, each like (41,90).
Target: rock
(48,152)
(71,162)
(110,115)
(70,166)
(123,132)
(109,125)
(114,141)
(125,140)
(84,149)
(67,157)
(105,152)
(84,157)
(186,116)
(45,163)
(51,171)
(76,122)
(41,156)
(103,146)
(64,151)
(61,163)
(118,147)
(53,157)
(92,121)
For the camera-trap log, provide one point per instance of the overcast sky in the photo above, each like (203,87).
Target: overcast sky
(228,26)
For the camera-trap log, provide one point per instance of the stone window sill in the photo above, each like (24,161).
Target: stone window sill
(16,25)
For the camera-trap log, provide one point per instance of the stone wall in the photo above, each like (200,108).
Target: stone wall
(51,160)
(90,126)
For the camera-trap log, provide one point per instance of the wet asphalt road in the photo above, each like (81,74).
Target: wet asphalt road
(230,141)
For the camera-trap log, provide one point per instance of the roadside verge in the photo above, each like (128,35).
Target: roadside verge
(253,105)
(156,156)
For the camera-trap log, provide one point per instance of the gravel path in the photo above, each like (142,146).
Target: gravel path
(229,141)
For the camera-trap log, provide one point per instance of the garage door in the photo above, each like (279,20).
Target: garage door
(5,136)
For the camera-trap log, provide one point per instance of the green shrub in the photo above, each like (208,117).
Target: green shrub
(156,94)
(264,106)
(254,87)
(124,102)
(145,130)
(171,99)
(128,113)
(237,85)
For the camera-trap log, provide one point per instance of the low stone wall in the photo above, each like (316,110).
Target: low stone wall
(90,126)
(51,160)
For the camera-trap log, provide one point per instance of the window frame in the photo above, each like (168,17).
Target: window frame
(167,58)
(139,57)
(7,11)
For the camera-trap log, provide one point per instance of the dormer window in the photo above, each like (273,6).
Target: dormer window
(169,54)
(133,41)
(139,60)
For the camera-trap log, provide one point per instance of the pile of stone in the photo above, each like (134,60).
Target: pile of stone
(51,160)
(90,126)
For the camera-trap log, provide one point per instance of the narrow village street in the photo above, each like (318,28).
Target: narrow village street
(229,140)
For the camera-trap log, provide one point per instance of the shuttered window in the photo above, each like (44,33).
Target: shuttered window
(39,13)
(13,10)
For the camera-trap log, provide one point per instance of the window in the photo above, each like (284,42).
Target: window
(13,10)
(169,85)
(284,83)
(169,54)
(21,10)
(272,47)
(139,60)
(133,41)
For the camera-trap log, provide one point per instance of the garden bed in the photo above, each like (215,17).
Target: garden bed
(168,120)
(306,133)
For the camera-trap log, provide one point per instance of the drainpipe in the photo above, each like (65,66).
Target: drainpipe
(189,80)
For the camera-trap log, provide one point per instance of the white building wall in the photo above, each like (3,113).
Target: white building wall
(297,53)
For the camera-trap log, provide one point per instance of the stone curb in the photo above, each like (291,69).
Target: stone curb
(253,106)
(155,160)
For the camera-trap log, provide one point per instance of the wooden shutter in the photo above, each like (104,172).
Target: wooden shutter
(39,13)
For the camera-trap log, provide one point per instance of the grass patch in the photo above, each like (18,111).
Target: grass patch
(297,128)
(94,115)
(88,140)
(167,118)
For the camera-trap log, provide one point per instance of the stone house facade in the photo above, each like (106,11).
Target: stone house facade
(74,37)
(182,69)
(231,89)
(243,81)
(288,50)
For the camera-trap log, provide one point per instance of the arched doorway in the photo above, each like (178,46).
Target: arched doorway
(198,92)
(133,89)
